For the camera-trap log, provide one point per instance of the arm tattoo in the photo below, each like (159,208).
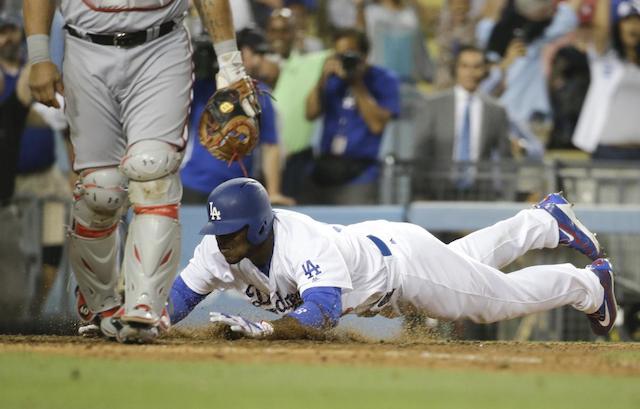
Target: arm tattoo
(217,18)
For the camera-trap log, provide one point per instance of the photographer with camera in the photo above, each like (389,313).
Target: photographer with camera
(357,101)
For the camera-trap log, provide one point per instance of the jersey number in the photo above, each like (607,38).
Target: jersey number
(311,270)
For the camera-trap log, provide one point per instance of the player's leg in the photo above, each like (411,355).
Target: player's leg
(155,110)
(152,250)
(99,199)
(100,193)
(450,285)
(550,223)
(502,243)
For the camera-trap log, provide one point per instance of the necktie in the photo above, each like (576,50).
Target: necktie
(465,178)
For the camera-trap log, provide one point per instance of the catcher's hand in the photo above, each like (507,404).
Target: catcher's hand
(229,126)
(238,324)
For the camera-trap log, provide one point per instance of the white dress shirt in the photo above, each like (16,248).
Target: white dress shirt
(461,97)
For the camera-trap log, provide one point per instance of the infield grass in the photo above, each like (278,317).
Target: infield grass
(33,380)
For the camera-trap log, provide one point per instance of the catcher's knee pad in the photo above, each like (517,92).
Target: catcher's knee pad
(152,251)
(99,200)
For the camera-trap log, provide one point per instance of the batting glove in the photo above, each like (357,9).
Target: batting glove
(238,324)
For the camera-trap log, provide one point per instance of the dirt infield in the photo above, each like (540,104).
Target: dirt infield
(620,359)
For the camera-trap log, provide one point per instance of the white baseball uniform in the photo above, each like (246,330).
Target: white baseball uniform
(381,266)
(118,96)
(128,74)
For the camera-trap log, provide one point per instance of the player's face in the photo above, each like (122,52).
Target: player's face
(234,246)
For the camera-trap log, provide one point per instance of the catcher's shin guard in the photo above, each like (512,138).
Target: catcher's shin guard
(99,198)
(150,263)
(152,251)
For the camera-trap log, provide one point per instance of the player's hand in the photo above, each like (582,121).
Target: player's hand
(238,324)
(44,82)
(229,126)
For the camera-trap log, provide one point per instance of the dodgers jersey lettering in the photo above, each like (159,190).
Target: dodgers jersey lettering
(113,16)
(306,254)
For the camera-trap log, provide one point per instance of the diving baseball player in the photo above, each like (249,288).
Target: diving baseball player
(312,273)
(127,85)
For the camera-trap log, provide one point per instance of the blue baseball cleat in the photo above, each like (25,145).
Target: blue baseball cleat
(572,233)
(602,320)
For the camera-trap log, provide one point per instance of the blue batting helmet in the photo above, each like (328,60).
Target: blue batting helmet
(236,204)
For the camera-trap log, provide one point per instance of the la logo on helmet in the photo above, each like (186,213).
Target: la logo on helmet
(214,213)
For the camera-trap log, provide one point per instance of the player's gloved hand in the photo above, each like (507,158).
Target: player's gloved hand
(229,125)
(238,324)
(231,71)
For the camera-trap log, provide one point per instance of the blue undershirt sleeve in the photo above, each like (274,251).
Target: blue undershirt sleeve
(321,308)
(182,300)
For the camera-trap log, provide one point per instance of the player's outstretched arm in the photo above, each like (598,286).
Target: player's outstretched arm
(320,311)
(182,300)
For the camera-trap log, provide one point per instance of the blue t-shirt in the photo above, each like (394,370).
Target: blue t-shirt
(37,145)
(10,83)
(342,120)
(37,150)
(201,171)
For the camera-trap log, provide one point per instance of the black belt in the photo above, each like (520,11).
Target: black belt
(384,249)
(126,40)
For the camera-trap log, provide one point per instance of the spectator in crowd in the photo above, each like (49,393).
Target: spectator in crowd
(462,125)
(201,171)
(357,101)
(303,14)
(15,101)
(457,27)
(609,125)
(38,173)
(298,74)
(341,13)
(396,38)
(519,35)
(568,84)
(263,9)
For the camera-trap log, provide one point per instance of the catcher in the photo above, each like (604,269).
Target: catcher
(312,273)
(127,84)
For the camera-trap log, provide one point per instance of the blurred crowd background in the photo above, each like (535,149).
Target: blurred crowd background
(385,102)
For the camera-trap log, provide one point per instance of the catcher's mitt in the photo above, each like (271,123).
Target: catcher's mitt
(229,125)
